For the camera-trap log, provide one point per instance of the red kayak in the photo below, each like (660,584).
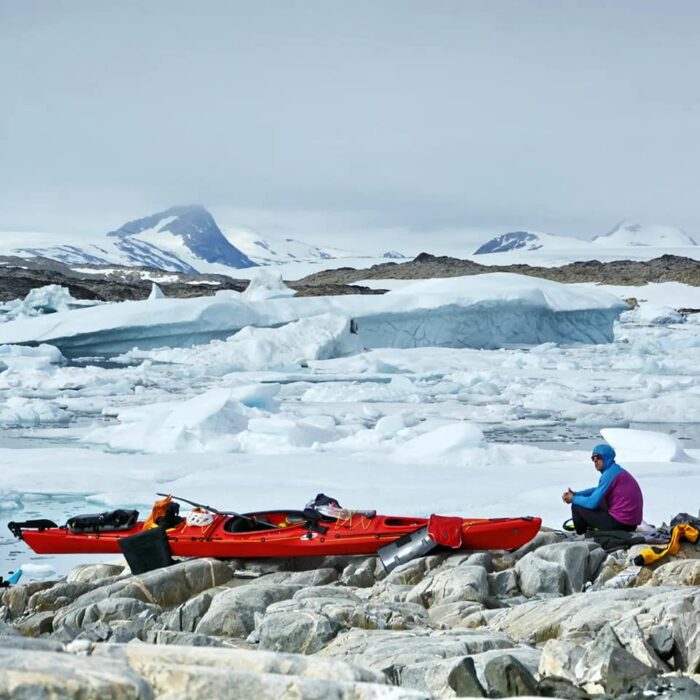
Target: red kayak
(280,533)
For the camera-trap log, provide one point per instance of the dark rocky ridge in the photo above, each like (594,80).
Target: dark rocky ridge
(18,276)
(667,268)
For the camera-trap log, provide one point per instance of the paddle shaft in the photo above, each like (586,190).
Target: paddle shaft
(219,512)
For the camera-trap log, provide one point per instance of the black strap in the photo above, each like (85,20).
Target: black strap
(315,526)
(43,524)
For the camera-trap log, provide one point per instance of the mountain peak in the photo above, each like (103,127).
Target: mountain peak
(513,240)
(190,227)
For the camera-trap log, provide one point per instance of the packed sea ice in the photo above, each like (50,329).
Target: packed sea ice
(271,416)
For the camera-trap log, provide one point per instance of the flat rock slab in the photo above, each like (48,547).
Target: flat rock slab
(147,672)
(584,613)
(387,651)
(45,674)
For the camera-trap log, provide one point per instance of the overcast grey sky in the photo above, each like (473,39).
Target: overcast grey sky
(440,116)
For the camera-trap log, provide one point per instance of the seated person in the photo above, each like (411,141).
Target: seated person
(615,504)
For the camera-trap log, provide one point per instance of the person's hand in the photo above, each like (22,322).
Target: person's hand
(567,496)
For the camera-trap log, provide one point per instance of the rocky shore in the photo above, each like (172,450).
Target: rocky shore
(19,276)
(667,268)
(557,618)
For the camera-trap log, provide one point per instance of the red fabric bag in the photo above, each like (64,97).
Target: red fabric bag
(445,531)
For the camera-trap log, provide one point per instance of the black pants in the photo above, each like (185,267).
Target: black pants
(599,519)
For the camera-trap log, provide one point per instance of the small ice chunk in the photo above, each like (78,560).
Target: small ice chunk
(9,500)
(267,284)
(297,433)
(156,292)
(388,426)
(42,300)
(37,571)
(18,411)
(645,446)
(653,315)
(204,423)
(448,444)
(261,396)
(19,357)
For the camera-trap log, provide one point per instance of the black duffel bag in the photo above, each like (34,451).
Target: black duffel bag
(111,521)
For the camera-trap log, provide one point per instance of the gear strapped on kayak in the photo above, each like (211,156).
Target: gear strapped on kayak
(199,518)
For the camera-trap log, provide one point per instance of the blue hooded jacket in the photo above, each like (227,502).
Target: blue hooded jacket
(617,491)
(591,498)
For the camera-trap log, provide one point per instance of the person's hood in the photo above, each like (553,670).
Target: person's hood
(606,452)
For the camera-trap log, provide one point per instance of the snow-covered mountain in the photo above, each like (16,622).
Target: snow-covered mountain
(180,239)
(654,235)
(267,250)
(528,240)
(186,234)
(624,235)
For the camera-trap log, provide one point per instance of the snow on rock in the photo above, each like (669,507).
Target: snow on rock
(208,422)
(645,446)
(480,311)
(267,284)
(529,240)
(289,347)
(447,444)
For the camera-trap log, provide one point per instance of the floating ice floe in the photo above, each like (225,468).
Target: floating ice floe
(28,358)
(17,411)
(220,420)
(26,368)
(9,500)
(653,315)
(447,444)
(480,311)
(208,422)
(645,446)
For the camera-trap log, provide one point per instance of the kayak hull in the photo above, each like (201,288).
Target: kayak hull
(358,534)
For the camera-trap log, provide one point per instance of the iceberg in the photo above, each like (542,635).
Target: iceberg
(481,311)
(42,300)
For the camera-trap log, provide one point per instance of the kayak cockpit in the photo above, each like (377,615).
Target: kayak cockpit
(266,520)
